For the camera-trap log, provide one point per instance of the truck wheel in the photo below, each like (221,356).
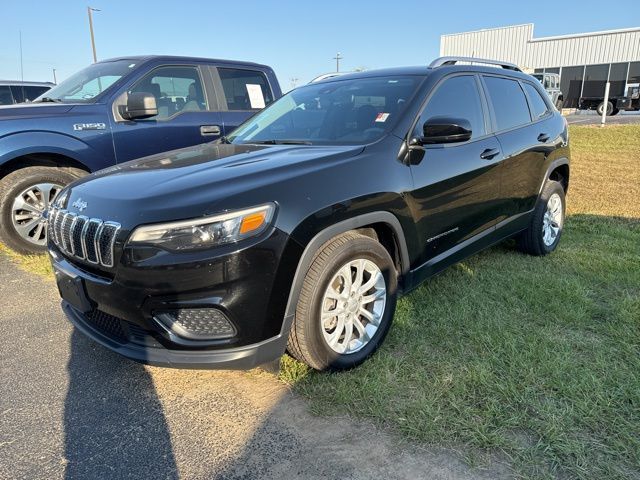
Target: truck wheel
(24,195)
(615,111)
(543,235)
(346,305)
(600,108)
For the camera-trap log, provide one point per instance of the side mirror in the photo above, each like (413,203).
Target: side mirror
(444,130)
(140,105)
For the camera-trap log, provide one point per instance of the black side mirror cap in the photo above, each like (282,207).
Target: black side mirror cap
(438,130)
(140,105)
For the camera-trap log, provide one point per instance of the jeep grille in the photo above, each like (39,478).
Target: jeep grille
(89,239)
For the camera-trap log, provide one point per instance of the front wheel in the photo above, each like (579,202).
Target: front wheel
(24,196)
(543,235)
(346,305)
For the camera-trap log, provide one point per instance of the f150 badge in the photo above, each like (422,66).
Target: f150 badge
(89,126)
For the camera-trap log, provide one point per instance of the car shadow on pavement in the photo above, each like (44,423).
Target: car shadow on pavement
(113,420)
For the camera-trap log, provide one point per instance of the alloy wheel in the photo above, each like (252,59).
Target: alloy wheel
(552,220)
(353,306)
(27,212)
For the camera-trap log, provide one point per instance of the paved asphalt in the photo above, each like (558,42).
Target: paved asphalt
(71,409)
(590,118)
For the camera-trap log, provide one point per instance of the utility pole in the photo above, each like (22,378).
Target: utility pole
(90,11)
(21,63)
(337,58)
(294,82)
(54,77)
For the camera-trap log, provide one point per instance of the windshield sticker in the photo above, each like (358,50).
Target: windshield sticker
(382,117)
(255,95)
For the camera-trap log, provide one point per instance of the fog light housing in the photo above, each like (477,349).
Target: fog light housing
(198,323)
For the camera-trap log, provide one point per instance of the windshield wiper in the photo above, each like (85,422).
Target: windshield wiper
(49,99)
(280,142)
(224,139)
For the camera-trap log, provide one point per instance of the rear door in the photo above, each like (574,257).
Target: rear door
(525,136)
(187,113)
(242,92)
(457,185)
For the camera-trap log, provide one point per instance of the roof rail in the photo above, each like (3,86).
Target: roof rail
(442,61)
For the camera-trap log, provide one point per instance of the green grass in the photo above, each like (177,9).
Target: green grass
(535,359)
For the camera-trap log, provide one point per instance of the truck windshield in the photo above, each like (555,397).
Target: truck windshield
(88,83)
(338,112)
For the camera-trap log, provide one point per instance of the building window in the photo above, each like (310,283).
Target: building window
(571,85)
(595,79)
(618,79)
(634,72)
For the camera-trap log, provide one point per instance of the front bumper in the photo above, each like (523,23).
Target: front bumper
(141,347)
(249,284)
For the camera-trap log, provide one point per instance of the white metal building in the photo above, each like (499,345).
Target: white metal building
(585,61)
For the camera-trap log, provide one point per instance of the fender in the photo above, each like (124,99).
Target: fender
(552,166)
(327,234)
(42,142)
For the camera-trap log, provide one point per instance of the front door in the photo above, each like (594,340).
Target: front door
(456,186)
(184,115)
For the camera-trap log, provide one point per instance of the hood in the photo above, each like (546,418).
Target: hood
(33,110)
(198,181)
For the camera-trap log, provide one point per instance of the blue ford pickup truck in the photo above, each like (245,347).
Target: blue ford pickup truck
(110,112)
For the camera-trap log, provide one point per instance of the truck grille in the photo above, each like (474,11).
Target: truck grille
(89,239)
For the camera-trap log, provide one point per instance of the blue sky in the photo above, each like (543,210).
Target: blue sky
(297,38)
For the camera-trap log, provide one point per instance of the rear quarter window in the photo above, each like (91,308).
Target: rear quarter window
(537,104)
(245,89)
(509,103)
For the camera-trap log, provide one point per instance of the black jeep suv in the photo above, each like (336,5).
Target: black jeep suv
(300,229)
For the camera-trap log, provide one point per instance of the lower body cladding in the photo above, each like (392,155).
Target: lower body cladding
(214,309)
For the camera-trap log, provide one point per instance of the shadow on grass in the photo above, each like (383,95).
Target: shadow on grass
(534,357)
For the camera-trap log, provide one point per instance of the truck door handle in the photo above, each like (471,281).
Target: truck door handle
(207,130)
(543,137)
(489,153)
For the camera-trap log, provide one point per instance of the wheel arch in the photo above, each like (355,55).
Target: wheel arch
(382,225)
(41,159)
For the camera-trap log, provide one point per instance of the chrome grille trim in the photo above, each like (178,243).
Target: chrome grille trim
(89,239)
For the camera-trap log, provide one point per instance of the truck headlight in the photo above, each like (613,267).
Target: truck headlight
(206,232)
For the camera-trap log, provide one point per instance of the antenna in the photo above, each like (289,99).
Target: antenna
(21,62)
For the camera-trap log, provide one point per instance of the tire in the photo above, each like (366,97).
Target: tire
(538,239)
(600,108)
(309,339)
(615,111)
(15,186)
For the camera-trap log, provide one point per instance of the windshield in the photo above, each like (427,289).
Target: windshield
(340,112)
(89,82)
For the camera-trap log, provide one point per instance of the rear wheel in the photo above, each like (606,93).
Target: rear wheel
(347,303)
(543,235)
(24,196)
(615,111)
(601,106)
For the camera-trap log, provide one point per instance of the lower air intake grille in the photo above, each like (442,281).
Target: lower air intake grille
(107,324)
(198,323)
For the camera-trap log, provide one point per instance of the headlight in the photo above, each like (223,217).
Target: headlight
(206,232)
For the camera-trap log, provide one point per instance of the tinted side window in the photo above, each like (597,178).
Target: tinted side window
(5,95)
(509,102)
(537,103)
(31,93)
(18,93)
(457,97)
(176,89)
(245,89)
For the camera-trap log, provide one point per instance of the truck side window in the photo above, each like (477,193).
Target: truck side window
(177,89)
(457,97)
(18,93)
(5,95)
(245,89)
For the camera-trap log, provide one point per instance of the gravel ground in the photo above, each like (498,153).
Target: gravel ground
(71,409)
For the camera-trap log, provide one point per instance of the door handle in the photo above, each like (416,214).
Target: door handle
(207,130)
(489,153)
(543,137)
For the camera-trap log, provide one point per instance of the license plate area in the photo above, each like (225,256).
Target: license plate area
(72,290)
